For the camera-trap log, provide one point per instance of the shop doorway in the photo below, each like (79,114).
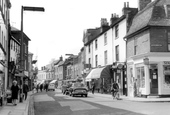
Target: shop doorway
(154,81)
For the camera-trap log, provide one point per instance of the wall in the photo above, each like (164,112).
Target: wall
(143,44)
(120,41)
(159,39)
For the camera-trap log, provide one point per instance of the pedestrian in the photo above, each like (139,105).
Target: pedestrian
(41,87)
(93,87)
(135,88)
(14,90)
(37,88)
(46,86)
(25,90)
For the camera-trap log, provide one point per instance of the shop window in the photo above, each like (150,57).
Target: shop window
(167,74)
(141,77)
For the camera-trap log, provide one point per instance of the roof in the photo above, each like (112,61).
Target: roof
(60,63)
(152,15)
(15,30)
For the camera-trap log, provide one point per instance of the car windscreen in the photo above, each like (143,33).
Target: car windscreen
(79,85)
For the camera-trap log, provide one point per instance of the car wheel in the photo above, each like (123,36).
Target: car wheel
(72,95)
(86,95)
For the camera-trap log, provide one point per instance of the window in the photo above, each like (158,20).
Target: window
(167,74)
(169,40)
(2,38)
(96,44)
(116,31)
(135,46)
(89,48)
(168,11)
(105,38)
(117,53)
(89,60)
(14,46)
(105,57)
(11,44)
(140,77)
(96,59)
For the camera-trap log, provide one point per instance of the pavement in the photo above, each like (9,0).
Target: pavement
(22,108)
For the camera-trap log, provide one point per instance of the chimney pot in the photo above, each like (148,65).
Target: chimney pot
(124,4)
(127,4)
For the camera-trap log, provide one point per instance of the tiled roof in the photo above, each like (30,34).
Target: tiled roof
(61,63)
(151,15)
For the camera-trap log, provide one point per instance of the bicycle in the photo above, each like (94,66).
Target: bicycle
(115,94)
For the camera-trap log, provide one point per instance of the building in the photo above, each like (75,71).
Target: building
(42,75)
(108,51)
(16,54)
(148,50)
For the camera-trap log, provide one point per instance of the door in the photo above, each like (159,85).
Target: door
(154,81)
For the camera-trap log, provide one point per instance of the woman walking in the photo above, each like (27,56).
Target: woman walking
(14,90)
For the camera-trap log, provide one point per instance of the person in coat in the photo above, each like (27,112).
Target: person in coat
(25,90)
(41,87)
(14,90)
(93,87)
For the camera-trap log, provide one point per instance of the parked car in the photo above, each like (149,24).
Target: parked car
(51,86)
(78,89)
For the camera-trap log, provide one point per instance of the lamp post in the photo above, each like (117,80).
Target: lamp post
(25,8)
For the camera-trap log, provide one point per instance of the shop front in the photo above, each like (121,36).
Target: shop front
(149,76)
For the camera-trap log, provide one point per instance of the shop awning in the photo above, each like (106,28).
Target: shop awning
(94,74)
(53,81)
(106,73)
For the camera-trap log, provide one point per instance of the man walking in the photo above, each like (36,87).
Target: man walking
(25,90)
(93,87)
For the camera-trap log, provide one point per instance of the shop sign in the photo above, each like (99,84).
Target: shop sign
(120,66)
(26,73)
(166,62)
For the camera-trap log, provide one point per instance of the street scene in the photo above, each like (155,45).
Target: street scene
(85,57)
(55,103)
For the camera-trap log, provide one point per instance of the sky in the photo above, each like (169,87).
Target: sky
(59,30)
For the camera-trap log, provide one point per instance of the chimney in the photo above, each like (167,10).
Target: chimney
(104,25)
(61,58)
(113,18)
(143,3)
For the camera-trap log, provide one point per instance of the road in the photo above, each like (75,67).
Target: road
(55,103)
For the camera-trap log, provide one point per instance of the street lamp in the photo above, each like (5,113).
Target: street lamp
(25,8)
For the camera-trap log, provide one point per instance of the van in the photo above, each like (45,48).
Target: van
(51,86)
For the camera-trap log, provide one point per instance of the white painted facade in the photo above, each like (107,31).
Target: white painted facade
(42,75)
(112,42)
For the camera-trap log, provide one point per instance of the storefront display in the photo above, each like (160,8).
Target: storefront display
(166,76)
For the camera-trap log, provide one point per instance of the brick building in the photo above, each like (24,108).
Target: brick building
(148,50)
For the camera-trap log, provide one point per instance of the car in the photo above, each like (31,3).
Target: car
(78,89)
(51,86)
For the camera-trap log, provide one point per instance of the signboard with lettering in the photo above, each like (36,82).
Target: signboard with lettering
(166,62)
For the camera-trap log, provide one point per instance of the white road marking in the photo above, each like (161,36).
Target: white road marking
(78,105)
